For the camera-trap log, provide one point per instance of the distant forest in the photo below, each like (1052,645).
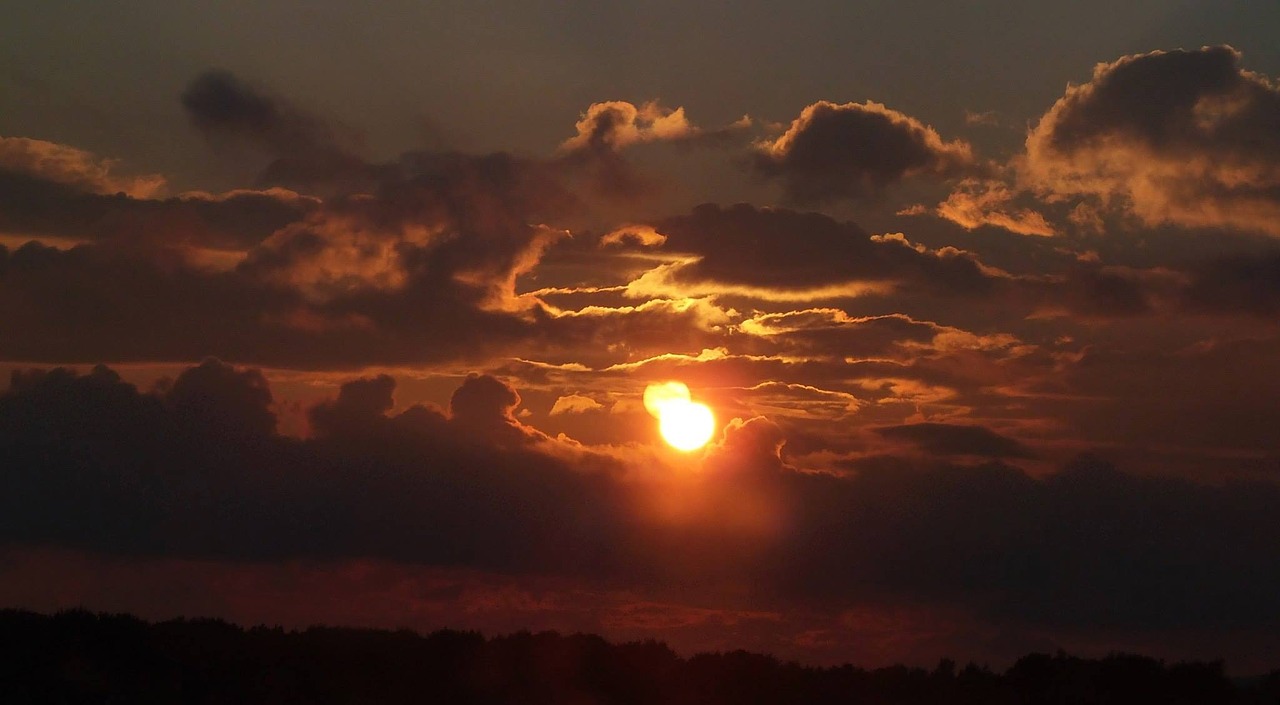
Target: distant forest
(81,657)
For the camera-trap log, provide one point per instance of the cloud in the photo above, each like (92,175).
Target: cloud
(792,402)
(308,153)
(1243,284)
(360,404)
(825,331)
(951,439)
(855,150)
(37,207)
(196,469)
(486,405)
(223,106)
(783,255)
(575,404)
(616,124)
(751,446)
(223,401)
(977,203)
(214,478)
(1184,138)
(81,170)
(439,243)
(594,157)
(986,117)
(643,235)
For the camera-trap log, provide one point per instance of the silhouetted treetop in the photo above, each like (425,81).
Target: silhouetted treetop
(80,657)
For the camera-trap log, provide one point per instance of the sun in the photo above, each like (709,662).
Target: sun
(685,425)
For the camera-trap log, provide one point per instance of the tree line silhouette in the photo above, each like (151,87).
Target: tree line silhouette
(81,657)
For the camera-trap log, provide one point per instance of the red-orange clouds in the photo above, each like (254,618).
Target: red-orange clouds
(419,377)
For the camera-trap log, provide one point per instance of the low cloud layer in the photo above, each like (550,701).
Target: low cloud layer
(196,469)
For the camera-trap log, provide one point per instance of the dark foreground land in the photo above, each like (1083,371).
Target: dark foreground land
(79,657)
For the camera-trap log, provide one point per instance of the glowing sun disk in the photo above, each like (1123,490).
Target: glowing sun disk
(684,424)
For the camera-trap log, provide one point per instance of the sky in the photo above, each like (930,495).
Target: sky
(317,313)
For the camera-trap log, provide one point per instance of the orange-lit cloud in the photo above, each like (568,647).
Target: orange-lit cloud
(643,235)
(575,404)
(615,125)
(74,167)
(977,203)
(1184,138)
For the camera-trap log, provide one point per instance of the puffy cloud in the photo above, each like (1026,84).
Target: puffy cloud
(754,445)
(360,403)
(223,401)
(575,404)
(616,124)
(855,150)
(1185,138)
(487,405)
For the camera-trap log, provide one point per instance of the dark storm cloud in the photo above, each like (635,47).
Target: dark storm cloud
(854,151)
(1187,138)
(951,439)
(194,468)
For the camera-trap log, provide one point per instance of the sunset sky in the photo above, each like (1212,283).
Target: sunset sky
(325,312)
